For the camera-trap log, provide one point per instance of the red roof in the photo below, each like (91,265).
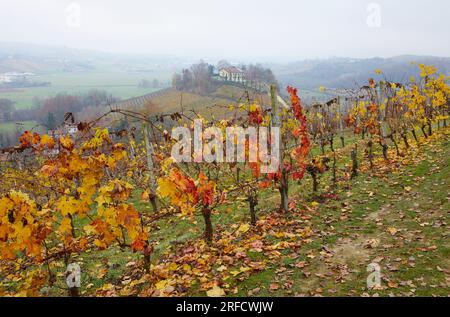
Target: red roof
(232,70)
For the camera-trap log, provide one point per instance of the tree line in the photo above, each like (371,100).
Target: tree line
(201,77)
(49,112)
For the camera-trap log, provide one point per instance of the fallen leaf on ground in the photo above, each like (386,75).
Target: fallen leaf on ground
(216,291)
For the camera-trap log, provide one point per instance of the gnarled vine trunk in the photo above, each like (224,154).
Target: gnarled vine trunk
(370,154)
(208,234)
(334,170)
(284,191)
(413,131)
(331,140)
(423,131)
(385,150)
(395,143)
(150,165)
(405,139)
(354,157)
(153,201)
(253,202)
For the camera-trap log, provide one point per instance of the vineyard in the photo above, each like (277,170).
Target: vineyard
(362,179)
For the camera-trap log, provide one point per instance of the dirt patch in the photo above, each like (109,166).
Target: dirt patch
(347,251)
(384,213)
(376,214)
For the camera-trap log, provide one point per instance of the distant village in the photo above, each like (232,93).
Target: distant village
(14,77)
(20,80)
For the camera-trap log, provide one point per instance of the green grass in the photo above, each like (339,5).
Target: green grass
(22,126)
(119,84)
(413,212)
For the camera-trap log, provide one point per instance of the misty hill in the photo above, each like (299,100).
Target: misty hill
(350,72)
(25,57)
(306,74)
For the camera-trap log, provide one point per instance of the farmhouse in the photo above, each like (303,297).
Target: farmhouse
(69,127)
(232,73)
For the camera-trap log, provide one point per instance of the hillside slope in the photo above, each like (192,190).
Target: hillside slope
(349,72)
(215,103)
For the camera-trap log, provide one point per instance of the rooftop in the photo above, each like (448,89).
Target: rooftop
(232,69)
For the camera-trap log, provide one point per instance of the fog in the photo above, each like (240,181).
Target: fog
(244,29)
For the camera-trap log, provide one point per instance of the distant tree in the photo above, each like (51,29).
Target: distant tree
(25,114)
(95,98)
(187,80)
(59,105)
(198,78)
(6,105)
(9,138)
(3,140)
(202,73)
(37,102)
(259,73)
(155,83)
(177,81)
(51,122)
(223,64)
(144,83)
(211,70)
(63,103)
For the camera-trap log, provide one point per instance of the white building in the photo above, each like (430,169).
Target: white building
(232,74)
(14,77)
(5,78)
(69,127)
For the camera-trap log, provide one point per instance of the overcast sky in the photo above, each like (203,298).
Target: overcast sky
(245,29)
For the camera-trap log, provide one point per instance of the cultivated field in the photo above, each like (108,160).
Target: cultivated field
(120,84)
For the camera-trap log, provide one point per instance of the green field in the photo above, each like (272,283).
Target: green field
(22,126)
(119,84)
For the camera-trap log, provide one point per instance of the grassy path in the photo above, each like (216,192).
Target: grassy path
(396,218)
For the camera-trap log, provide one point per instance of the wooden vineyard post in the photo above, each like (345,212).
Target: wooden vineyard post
(151,167)
(131,141)
(334,170)
(284,181)
(341,127)
(275,114)
(354,157)
(384,132)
